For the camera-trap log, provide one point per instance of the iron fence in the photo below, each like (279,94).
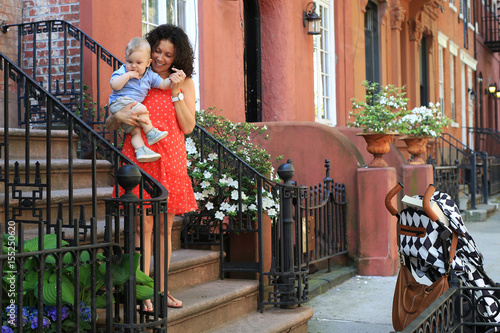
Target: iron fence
(41,202)
(326,220)
(472,166)
(459,309)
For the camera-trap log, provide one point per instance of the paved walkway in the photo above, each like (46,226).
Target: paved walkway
(363,304)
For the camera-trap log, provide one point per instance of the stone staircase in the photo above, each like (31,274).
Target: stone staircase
(210,304)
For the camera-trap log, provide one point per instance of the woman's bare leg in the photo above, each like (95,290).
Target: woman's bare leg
(148,230)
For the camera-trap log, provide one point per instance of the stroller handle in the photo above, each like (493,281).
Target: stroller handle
(426,203)
(389,197)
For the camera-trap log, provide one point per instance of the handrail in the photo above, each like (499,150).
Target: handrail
(103,146)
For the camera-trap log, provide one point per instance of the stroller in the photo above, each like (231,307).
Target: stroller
(425,230)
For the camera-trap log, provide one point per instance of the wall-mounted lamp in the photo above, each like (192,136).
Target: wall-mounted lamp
(492,89)
(497,94)
(472,94)
(311,19)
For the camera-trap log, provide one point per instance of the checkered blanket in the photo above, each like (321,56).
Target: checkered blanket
(425,252)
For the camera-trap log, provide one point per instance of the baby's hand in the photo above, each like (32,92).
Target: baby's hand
(133,75)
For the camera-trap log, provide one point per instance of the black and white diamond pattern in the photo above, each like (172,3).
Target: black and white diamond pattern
(426,253)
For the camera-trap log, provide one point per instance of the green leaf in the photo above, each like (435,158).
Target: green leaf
(121,270)
(50,289)
(144,293)
(49,243)
(144,279)
(100,301)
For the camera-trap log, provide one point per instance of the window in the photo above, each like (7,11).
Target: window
(156,12)
(324,80)
(441,78)
(372,54)
(183,13)
(452,88)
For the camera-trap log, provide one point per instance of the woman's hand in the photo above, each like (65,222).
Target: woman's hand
(126,116)
(177,77)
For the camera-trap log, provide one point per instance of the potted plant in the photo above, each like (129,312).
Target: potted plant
(418,125)
(378,116)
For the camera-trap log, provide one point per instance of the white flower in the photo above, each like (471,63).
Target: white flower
(198,196)
(209,206)
(219,215)
(207,174)
(234,195)
(233,183)
(212,156)
(272,212)
(225,206)
(252,207)
(204,184)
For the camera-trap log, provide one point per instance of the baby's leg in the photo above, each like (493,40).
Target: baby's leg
(136,137)
(146,127)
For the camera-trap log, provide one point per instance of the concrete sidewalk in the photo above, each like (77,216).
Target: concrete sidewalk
(363,304)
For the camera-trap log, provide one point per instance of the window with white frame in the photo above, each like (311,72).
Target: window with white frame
(324,79)
(441,78)
(452,88)
(183,13)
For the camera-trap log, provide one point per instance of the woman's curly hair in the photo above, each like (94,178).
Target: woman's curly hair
(184,54)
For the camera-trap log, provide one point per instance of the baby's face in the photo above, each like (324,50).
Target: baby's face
(138,61)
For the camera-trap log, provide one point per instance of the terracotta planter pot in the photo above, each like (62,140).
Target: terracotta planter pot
(377,145)
(417,146)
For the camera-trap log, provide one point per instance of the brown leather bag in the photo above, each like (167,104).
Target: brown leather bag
(412,298)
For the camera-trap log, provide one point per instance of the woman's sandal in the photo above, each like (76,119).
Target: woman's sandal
(172,302)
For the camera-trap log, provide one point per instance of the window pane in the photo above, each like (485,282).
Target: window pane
(171,12)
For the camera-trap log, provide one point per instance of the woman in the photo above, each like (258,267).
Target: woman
(173,111)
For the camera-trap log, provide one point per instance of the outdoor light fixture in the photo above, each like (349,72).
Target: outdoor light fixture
(492,88)
(472,94)
(497,94)
(311,19)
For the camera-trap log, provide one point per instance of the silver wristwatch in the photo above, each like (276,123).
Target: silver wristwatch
(179,97)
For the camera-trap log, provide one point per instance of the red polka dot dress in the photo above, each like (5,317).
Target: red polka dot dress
(171,169)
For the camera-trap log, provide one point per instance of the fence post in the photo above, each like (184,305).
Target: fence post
(485,177)
(473,184)
(128,177)
(286,172)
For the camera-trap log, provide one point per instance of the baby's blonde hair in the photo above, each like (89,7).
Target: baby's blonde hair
(136,43)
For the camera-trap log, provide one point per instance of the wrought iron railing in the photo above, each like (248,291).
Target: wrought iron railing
(488,140)
(472,166)
(287,275)
(326,220)
(39,200)
(490,25)
(458,310)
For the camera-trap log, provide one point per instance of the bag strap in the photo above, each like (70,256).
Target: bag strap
(453,249)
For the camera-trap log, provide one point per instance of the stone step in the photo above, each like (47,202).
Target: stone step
(212,304)
(80,197)
(192,267)
(81,174)
(274,320)
(38,144)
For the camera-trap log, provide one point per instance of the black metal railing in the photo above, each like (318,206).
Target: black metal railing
(326,220)
(490,26)
(58,56)
(472,166)
(488,140)
(40,199)
(204,228)
(459,310)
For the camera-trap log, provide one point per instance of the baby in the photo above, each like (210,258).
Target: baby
(131,83)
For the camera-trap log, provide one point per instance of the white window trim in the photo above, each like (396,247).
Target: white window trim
(330,114)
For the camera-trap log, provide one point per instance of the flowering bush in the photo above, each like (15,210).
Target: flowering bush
(423,121)
(120,275)
(217,183)
(49,324)
(380,110)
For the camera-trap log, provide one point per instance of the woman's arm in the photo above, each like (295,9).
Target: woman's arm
(185,109)
(127,116)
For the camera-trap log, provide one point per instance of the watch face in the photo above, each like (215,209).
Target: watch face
(180,96)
